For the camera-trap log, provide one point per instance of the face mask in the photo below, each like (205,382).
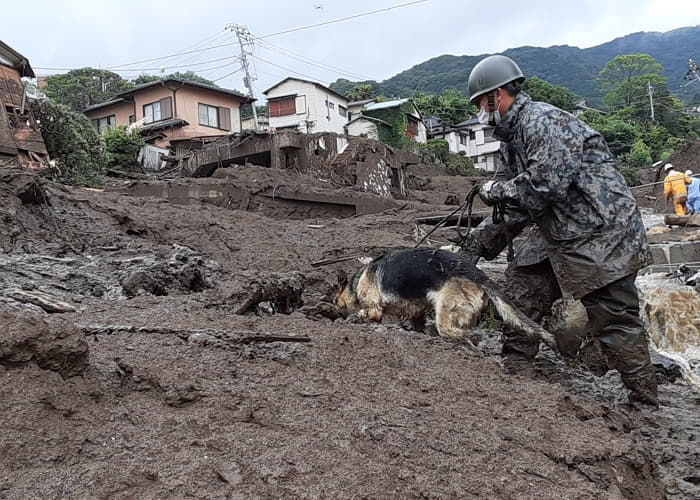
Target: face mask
(483,116)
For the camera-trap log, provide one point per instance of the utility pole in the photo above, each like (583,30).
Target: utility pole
(244,36)
(650,89)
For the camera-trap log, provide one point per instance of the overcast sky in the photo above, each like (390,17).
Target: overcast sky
(77,33)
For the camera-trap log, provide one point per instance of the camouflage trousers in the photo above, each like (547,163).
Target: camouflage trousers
(613,316)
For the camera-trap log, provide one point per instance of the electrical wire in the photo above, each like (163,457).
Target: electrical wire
(287,69)
(292,30)
(270,46)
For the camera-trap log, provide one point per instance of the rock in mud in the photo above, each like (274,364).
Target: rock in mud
(56,346)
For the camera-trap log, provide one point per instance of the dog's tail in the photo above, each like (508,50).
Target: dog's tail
(516,319)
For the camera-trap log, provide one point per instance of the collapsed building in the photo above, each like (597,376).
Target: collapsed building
(20,137)
(350,175)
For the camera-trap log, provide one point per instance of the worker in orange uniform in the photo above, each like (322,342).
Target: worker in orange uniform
(675,188)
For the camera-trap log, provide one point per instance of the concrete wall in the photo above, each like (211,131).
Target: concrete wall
(365,128)
(310,106)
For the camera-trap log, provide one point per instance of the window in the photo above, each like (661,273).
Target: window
(214,116)
(151,112)
(330,105)
(208,115)
(472,135)
(342,110)
(103,124)
(132,119)
(462,139)
(283,107)
(159,110)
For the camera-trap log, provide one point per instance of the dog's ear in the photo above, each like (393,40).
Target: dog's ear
(342,279)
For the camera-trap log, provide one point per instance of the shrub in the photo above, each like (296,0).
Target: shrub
(122,147)
(73,143)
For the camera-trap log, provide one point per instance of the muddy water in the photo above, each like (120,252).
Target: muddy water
(673,321)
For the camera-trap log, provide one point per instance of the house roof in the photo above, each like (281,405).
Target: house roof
(386,104)
(306,81)
(167,80)
(366,117)
(104,104)
(18,61)
(362,103)
(171,122)
(467,123)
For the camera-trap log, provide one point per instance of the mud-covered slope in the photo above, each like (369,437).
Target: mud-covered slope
(181,396)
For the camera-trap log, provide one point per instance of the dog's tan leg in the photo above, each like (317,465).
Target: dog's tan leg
(457,307)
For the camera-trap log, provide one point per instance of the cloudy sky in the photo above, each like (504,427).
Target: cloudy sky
(132,37)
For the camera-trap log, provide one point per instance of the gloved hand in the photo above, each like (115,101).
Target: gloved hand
(486,192)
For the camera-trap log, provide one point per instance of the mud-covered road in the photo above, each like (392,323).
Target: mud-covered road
(169,371)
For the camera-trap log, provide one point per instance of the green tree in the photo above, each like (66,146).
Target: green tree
(122,146)
(80,88)
(640,155)
(452,107)
(73,143)
(623,80)
(361,92)
(541,90)
(189,76)
(618,133)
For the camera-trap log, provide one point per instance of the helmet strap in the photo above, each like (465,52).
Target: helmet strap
(492,108)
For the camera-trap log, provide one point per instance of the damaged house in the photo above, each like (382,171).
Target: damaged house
(20,137)
(389,121)
(172,109)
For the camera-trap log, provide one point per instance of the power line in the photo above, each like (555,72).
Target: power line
(286,69)
(292,30)
(174,55)
(227,75)
(308,61)
(130,70)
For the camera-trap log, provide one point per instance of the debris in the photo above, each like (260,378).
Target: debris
(47,302)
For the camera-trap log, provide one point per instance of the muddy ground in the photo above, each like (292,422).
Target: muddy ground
(193,351)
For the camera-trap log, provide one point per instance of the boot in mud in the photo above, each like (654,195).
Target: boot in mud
(642,385)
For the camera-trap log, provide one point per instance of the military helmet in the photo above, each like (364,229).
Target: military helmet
(491,73)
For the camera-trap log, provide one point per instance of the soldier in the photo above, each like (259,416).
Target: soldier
(589,240)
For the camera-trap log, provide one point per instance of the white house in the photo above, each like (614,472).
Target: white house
(366,126)
(400,113)
(476,141)
(306,106)
(355,107)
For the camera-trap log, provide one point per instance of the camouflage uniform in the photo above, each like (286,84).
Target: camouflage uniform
(589,235)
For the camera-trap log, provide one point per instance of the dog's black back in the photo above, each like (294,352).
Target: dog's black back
(415,271)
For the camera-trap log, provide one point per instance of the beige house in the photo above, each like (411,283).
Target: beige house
(172,109)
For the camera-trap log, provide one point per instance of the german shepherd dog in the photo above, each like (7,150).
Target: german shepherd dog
(411,283)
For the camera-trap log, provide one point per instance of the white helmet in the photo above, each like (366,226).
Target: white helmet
(667,167)
(688,173)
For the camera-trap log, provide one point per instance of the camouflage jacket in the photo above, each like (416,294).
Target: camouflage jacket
(563,177)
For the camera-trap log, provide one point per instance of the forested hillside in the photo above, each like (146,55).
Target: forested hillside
(571,67)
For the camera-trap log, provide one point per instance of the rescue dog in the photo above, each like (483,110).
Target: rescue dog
(411,283)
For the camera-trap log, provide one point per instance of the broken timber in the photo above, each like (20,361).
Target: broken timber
(682,220)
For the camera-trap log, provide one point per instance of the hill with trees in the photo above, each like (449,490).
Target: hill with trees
(570,67)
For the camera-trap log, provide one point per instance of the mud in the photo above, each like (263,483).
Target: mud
(199,382)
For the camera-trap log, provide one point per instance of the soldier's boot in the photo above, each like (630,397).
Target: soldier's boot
(642,385)
(613,314)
